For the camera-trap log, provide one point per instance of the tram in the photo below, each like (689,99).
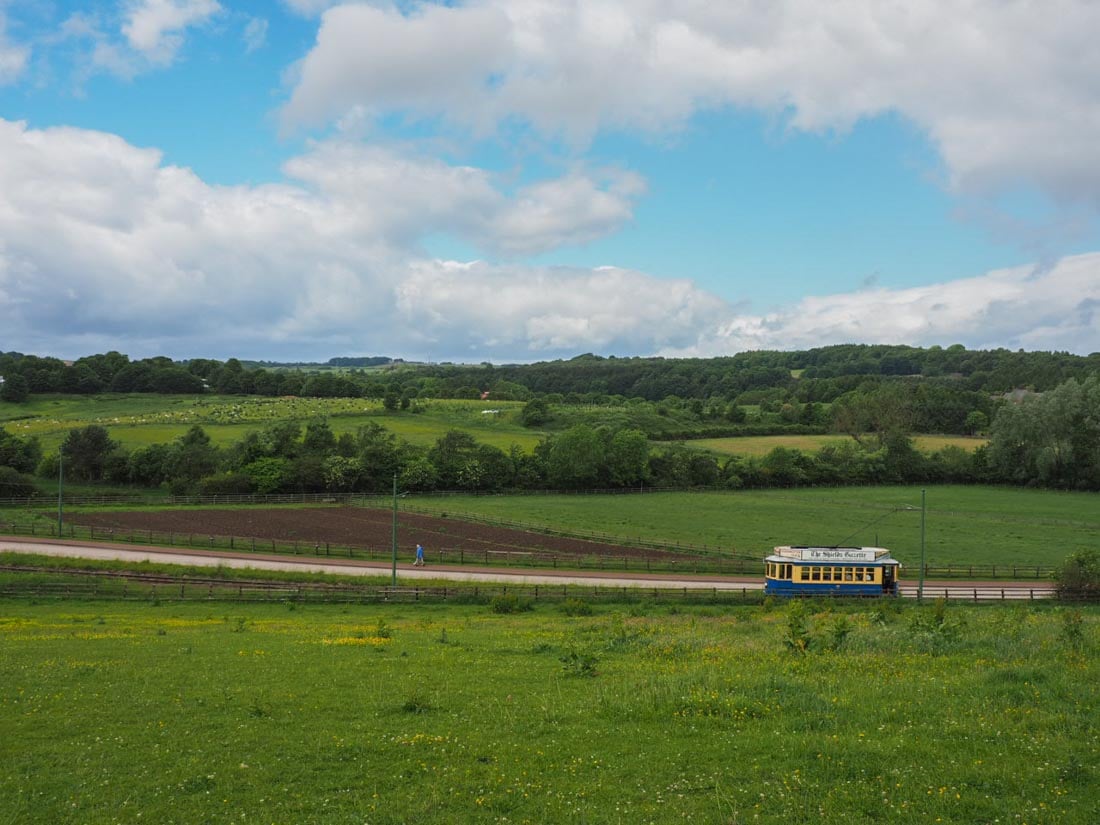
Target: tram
(831,571)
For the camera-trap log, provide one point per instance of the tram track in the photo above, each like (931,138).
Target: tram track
(950,590)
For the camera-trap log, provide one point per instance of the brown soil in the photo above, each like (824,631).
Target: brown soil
(358,527)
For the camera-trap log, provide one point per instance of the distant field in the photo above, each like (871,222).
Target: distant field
(763,444)
(139,420)
(287,713)
(977,525)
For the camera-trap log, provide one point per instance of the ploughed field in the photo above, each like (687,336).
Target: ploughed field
(359,527)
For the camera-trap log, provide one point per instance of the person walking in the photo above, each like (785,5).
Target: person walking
(419,557)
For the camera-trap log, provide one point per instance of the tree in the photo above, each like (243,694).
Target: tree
(319,439)
(193,457)
(150,466)
(85,452)
(21,454)
(14,484)
(378,455)
(1051,439)
(269,475)
(575,458)
(976,422)
(15,389)
(535,413)
(451,455)
(628,458)
(341,474)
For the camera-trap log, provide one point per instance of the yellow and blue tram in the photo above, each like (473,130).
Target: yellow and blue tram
(831,571)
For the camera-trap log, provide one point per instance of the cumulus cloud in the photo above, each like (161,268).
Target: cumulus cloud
(103,245)
(1055,308)
(13,56)
(155,28)
(1008,93)
(402,196)
(478,307)
(98,237)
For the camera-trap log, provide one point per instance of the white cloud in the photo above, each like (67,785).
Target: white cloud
(401,197)
(255,34)
(154,27)
(103,246)
(99,238)
(13,56)
(477,307)
(309,8)
(1057,308)
(1008,92)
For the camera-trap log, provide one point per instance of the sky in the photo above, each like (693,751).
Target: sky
(524,180)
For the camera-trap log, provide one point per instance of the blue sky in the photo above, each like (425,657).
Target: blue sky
(522,180)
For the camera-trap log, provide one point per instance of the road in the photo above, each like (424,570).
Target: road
(405,571)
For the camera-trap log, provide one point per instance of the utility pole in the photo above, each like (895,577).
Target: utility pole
(60,488)
(394,583)
(920,587)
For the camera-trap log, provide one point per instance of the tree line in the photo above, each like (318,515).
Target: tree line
(819,375)
(1050,440)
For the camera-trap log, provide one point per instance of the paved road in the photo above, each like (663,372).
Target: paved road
(405,570)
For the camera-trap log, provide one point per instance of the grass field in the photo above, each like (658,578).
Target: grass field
(140,420)
(763,444)
(439,714)
(964,525)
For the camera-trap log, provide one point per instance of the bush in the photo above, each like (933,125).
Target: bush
(14,484)
(1079,577)
(576,607)
(579,663)
(509,603)
(225,484)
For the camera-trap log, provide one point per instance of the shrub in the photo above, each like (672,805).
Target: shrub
(837,632)
(797,638)
(509,603)
(576,607)
(416,704)
(579,663)
(1073,630)
(14,484)
(1079,577)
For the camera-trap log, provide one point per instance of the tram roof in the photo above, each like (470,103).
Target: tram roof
(786,553)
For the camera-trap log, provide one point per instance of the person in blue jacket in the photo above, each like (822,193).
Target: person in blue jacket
(419,556)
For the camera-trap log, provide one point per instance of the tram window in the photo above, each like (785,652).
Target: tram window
(768,570)
(815,574)
(859,574)
(826,574)
(787,572)
(870,574)
(847,574)
(804,573)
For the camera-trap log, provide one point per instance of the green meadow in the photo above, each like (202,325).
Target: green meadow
(763,444)
(963,524)
(139,420)
(185,713)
